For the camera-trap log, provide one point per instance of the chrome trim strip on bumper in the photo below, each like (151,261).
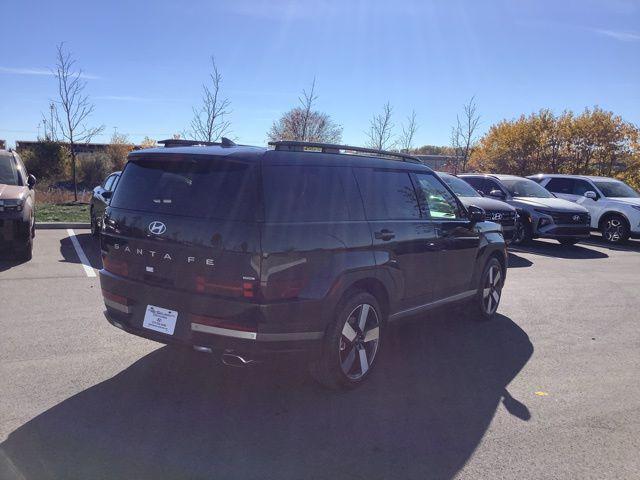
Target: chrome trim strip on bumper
(117,306)
(280,337)
(224,332)
(434,304)
(260,337)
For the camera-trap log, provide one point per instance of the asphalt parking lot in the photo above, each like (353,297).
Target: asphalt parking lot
(549,389)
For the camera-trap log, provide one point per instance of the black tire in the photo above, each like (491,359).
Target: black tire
(614,229)
(521,234)
(341,365)
(95,228)
(25,252)
(568,242)
(480,307)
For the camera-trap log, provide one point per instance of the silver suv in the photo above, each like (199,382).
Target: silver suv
(614,206)
(541,213)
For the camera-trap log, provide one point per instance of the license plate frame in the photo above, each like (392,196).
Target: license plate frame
(159,319)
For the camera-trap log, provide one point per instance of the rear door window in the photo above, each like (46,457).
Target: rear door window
(194,186)
(108,183)
(561,185)
(294,193)
(387,195)
(476,182)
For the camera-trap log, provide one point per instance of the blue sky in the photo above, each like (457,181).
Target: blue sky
(147,60)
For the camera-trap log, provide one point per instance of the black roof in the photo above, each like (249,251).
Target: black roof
(302,153)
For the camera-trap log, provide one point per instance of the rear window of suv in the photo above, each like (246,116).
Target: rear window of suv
(193,187)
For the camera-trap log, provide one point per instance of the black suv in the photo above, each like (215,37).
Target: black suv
(304,248)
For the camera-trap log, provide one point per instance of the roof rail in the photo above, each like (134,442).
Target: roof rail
(297,146)
(181,142)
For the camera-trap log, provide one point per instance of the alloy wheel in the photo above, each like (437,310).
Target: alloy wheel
(613,230)
(518,234)
(492,288)
(359,341)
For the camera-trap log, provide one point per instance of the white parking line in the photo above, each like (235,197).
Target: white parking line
(83,258)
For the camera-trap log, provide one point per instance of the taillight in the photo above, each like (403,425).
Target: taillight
(248,287)
(285,288)
(118,267)
(205,285)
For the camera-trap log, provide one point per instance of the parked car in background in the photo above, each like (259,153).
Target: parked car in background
(495,210)
(614,206)
(542,215)
(100,199)
(249,252)
(17,206)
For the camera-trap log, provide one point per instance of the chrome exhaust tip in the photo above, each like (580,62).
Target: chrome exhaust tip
(231,359)
(198,348)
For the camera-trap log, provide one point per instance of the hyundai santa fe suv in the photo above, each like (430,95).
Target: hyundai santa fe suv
(495,210)
(302,249)
(542,215)
(614,206)
(17,206)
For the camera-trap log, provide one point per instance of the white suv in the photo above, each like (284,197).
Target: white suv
(614,206)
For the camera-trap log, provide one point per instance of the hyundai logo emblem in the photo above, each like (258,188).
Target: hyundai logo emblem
(157,228)
(496,216)
(576,218)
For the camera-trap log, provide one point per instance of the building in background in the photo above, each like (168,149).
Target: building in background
(3,144)
(440,163)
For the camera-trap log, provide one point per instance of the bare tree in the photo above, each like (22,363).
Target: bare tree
(72,108)
(305,124)
(381,129)
(49,125)
(408,133)
(456,148)
(209,122)
(464,135)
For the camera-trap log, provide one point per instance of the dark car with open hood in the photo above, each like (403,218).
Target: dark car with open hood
(17,206)
(305,248)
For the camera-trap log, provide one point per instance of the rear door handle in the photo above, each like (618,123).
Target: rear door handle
(385,235)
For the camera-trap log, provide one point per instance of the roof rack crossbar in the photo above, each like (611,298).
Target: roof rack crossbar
(297,146)
(183,142)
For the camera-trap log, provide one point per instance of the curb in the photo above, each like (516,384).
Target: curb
(61,225)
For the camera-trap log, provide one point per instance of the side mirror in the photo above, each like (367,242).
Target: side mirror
(107,194)
(31,181)
(591,194)
(496,194)
(476,214)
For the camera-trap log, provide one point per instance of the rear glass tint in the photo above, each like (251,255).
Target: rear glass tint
(192,186)
(295,193)
(387,195)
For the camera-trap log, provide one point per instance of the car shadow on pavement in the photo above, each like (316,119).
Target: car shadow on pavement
(178,414)
(90,246)
(598,241)
(516,261)
(553,249)
(8,261)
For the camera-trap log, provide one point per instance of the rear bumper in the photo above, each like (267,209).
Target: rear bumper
(262,329)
